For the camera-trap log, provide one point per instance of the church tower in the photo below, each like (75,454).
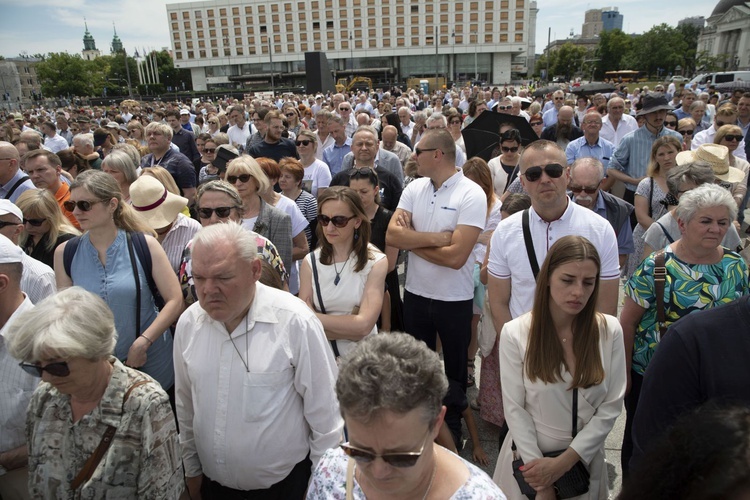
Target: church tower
(116,43)
(90,51)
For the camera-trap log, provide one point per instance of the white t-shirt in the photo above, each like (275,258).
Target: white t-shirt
(239,136)
(320,175)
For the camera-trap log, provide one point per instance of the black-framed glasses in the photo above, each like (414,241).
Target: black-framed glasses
(720,124)
(338,220)
(59,369)
(507,149)
(83,205)
(34,222)
(399,459)
(221,212)
(232,179)
(534,124)
(455,122)
(419,151)
(732,137)
(588,190)
(504,108)
(345,109)
(303,142)
(670,124)
(6,223)
(289,115)
(686,132)
(209,150)
(553,171)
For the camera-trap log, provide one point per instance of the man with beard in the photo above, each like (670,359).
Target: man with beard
(273,145)
(586,176)
(563,131)
(183,139)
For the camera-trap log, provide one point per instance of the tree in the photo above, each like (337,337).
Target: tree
(706,63)
(662,47)
(569,60)
(546,62)
(62,74)
(690,34)
(169,76)
(614,46)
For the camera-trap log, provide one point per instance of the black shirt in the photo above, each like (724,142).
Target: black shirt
(282,149)
(390,187)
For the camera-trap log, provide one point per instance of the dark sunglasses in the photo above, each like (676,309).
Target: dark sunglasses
(221,212)
(59,369)
(232,179)
(553,171)
(721,124)
(5,223)
(34,222)
(82,205)
(686,132)
(730,138)
(506,149)
(345,109)
(670,124)
(401,460)
(504,108)
(289,115)
(534,124)
(303,142)
(209,150)
(420,151)
(338,220)
(578,189)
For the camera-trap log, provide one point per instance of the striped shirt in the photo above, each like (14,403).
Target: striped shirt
(634,151)
(182,231)
(38,279)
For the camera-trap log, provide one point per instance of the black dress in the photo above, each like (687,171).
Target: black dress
(379,226)
(40,252)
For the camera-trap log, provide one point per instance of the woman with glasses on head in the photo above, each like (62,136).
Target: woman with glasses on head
(455,122)
(390,390)
(44,225)
(86,396)
(504,166)
(731,136)
(102,263)
(343,280)
(317,174)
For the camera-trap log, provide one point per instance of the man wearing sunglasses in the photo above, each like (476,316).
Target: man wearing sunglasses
(586,180)
(725,115)
(16,385)
(550,115)
(552,215)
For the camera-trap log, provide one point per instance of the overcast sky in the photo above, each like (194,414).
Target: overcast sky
(42,26)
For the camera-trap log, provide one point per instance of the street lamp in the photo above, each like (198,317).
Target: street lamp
(476,68)
(453,55)
(351,51)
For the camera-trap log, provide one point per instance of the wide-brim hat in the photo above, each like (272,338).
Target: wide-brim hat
(157,206)
(717,157)
(654,101)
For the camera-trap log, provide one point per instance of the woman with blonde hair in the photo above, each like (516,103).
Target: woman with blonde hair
(687,128)
(317,174)
(117,242)
(120,165)
(44,225)
(731,136)
(137,132)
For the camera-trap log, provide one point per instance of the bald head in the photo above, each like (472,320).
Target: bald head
(565,115)
(10,162)
(389,136)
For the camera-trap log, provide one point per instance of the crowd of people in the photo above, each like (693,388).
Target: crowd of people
(208,300)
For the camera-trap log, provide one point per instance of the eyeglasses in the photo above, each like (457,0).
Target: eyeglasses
(34,222)
(401,459)
(420,151)
(534,124)
(686,132)
(506,149)
(587,190)
(553,171)
(345,109)
(338,220)
(730,138)
(232,179)
(505,108)
(303,142)
(720,124)
(670,124)
(5,223)
(559,98)
(59,369)
(83,205)
(289,115)
(209,150)
(221,212)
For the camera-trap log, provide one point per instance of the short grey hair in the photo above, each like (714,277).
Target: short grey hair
(420,115)
(230,233)
(588,160)
(122,162)
(84,139)
(366,128)
(131,151)
(219,186)
(162,128)
(391,372)
(705,196)
(73,323)
(437,117)
(689,172)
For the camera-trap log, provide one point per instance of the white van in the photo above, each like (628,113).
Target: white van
(704,80)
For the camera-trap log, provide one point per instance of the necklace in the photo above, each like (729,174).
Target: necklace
(336,269)
(247,368)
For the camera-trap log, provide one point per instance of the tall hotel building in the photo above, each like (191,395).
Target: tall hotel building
(237,43)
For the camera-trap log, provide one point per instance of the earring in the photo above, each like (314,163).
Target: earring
(356,234)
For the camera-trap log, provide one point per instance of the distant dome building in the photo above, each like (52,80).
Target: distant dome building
(727,32)
(116,43)
(90,52)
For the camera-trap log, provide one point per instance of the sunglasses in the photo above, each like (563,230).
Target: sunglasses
(506,149)
(345,109)
(455,122)
(303,142)
(587,190)
(720,124)
(670,124)
(338,220)
(686,132)
(534,124)
(730,138)
(553,171)
(34,222)
(209,150)
(401,460)
(232,179)
(289,115)
(505,108)
(361,171)
(420,151)
(59,369)
(5,223)
(83,205)
(221,212)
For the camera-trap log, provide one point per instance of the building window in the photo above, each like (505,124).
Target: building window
(443,18)
(178,45)
(488,28)
(187,25)
(474,6)
(519,14)
(235,11)
(503,37)
(222,12)
(519,37)
(329,25)
(175,26)
(179,55)
(211,23)
(198,24)
(504,4)
(429,19)
(473,17)
(202,44)
(415,9)
(503,26)
(415,41)
(190,54)
(203,54)
(215,53)
(240,52)
(519,26)
(459,18)
(173,16)
(186,15)
(316,26)
(190,45)
(316,46)
(519,4)
(212,33)
(224,22)
(504,16)
(386,42)
(237,31)
(248,10)
(263,29)
(210,12)
(331,45)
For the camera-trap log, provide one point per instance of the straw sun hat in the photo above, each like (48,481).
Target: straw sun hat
(157,206)
(715,156)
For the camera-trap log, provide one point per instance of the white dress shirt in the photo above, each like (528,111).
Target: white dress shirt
(707,137)
(626,125)
(247,429)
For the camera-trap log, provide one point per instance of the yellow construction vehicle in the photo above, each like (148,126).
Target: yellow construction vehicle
(358,82)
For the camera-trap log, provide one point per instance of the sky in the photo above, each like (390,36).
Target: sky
(42,26)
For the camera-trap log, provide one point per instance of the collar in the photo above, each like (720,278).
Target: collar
(598,141)
(600,202)
(262,310)
(565,215)
(62,192)
(450,181)
(347,142)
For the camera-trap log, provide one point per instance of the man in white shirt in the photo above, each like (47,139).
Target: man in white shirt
(552,215)
(725,115)
(616,124)
(241,131)
(254,378)
(53,141)
(16,386)
(404,115)
(325,139)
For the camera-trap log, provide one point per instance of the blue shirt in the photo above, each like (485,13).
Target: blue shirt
(550,117)
(632,154)
(625,245)
(333,155)
(681,113)
(24,186)
(602,150)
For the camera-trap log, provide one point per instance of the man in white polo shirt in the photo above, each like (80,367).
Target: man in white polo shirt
(438,219)
(552,215)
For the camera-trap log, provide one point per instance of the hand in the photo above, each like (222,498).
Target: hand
(193,491)
(404,220)
(542,472)
(479,455)
(545,494)
(137,353)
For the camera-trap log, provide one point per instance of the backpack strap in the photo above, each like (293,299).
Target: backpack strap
(144,256)
(15,186)
(71,246)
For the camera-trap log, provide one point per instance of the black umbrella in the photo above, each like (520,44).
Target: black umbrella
(594,88)
(545,90)
(732,86)
(482,135)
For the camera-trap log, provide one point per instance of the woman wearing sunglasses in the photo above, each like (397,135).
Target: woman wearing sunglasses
(686,127)
(390,390)
(210,149)
(213,125)
(291,113)
(44,225)
(103,264)
(537,124)
(504,167)
(345,286)
(317,174)
(455,122)
(86,394)
(731,136)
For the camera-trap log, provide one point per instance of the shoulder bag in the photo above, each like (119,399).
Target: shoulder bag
(573,483)
(316,284)
(660,279)
(529,243)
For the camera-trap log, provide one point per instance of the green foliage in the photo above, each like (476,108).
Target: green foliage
(614,47)
(706,63)
(62,74)
(568,60)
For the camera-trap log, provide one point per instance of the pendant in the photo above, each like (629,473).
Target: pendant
(336,280)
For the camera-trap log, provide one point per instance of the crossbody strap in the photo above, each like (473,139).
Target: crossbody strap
(350,479)
(529,243)
(15,186)
(575,412)
(334,346)
(137,286)
(660,279)
(664,230)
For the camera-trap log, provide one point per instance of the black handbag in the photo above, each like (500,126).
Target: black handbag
(573,483)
